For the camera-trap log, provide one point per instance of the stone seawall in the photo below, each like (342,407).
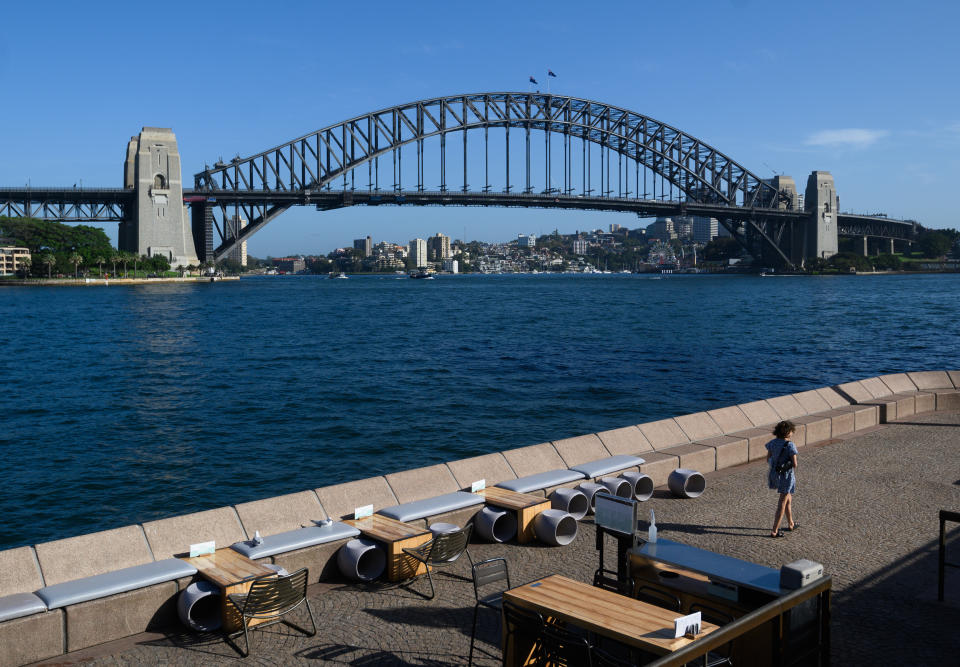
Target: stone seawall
(106,282)
(705,441)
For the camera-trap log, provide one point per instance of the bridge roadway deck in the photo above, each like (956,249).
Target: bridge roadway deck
(868,511)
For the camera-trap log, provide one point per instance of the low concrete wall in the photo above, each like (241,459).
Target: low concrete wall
(705,441)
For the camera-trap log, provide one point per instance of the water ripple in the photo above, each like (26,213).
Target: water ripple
(135,404)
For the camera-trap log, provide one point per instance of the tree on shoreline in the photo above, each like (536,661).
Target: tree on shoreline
(48,259)
(76,259)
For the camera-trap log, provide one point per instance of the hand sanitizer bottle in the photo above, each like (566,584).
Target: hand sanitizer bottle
(652,530)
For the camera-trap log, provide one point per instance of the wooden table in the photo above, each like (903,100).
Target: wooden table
(526,505)
(396,536)
(632,622)
(233,573)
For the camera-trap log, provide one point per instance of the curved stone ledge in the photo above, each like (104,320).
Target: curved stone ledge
(705,441)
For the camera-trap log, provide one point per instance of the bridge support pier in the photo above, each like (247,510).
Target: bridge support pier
(891,250)
(158,222)
(864,244)
(820,201)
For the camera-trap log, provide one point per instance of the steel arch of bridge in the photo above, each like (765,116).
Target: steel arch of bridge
(315,161)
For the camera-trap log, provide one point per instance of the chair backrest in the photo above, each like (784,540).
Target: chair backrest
(659,598)
(274,596)
(600,658)
(711,614)
(444,548)
(524,624)
(565,647)
(488,572)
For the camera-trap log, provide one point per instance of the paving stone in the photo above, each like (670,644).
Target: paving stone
(867,505)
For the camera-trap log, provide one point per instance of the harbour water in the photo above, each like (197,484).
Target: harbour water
(126,404)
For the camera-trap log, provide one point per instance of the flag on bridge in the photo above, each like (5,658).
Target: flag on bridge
(532,80)
(550,73)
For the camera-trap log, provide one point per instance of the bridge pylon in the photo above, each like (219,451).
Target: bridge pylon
(158,223)
(821,202)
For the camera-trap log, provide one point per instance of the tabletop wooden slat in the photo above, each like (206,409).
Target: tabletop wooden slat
(226,567)
(385,529)
(607,613)
(511,500)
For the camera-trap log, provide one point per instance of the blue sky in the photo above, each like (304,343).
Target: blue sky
(866,90)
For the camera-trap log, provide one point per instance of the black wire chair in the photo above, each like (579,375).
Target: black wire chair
(524,627)
(486,573)
(565,647)
(442,550)
(722,655)
(601,658)
(270,598)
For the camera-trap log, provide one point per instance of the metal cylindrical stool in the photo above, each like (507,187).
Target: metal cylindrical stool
(440,528)
(199,606)
(618,486)
(555,527)
(642,485)
(279,569)
(573,501)
(361,560)
(590,489)
(495,524)
(686,483)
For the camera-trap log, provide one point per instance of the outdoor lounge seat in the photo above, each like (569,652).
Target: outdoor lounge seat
(541,480)
(421,509)
(19,605)
(601,467)
(111,583)
(292,540)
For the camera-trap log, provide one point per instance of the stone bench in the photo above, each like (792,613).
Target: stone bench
(606,466)
(430,495)
(542,480)
(28,632)
(114,582)
(292,536)
(108,585)
(294,540)
(19,605)
(432,507)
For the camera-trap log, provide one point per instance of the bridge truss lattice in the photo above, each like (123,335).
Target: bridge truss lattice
(581,139)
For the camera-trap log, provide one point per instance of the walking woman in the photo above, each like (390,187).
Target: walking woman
(782,459)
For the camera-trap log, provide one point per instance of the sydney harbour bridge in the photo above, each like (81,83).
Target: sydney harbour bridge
(488,149)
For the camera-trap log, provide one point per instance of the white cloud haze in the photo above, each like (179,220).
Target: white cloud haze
(851,138)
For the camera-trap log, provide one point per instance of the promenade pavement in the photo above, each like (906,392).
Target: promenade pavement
(867,508)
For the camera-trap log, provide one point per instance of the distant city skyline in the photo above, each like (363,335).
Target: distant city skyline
(859,90)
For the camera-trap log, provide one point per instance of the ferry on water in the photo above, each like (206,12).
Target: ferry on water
(422,274)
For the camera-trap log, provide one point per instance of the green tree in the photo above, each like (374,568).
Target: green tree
(76,259)
(115,258)
(844,261)
(99,260)
(25,263)
(887,262)
(934,243)
(49,261)
(721,248)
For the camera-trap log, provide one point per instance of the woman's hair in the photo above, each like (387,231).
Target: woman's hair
(783,429)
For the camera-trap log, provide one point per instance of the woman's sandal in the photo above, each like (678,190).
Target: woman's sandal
(796,526)
(779,533)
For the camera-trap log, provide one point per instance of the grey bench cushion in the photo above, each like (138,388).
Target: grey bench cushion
(541,480)
(292,540)
(20,604)
(607,465)
(420,509)
(111,583)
